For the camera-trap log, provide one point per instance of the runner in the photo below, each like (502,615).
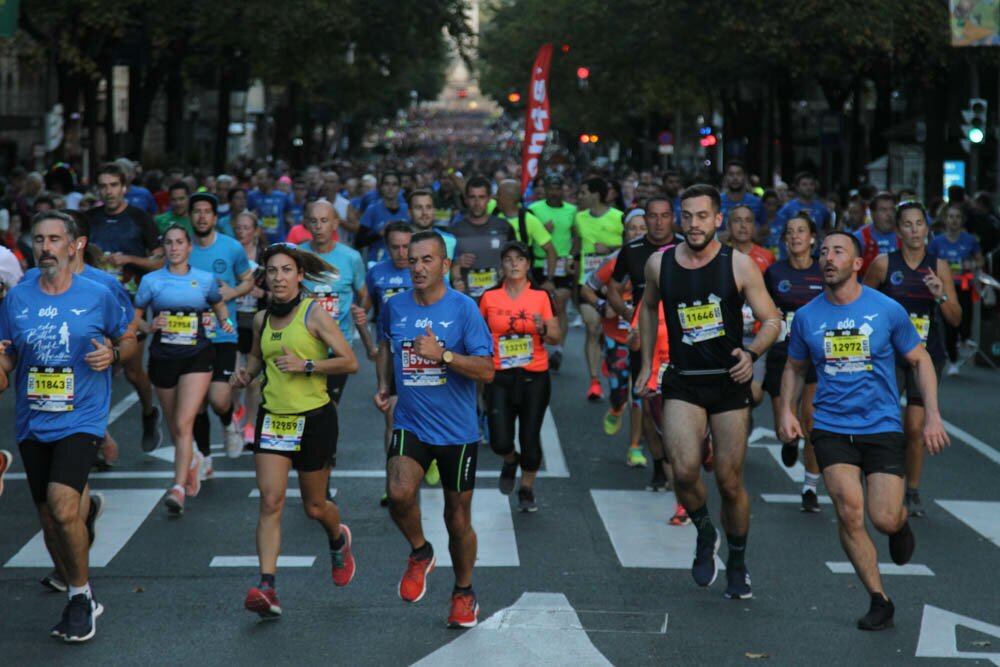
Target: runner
(921,283)
(521,319)
(54,332)
(297,425)
(271,207)
(224,258)
(245,229)
(131,246)
(853,334)
(181,355)
(964,256)
(179,213)
(736,194)
(559,217)
(792,283)
(480,237)
(531,231)
(879,236)
(378,214)
(702,285)
(805,199)
(435,348)
(423,217)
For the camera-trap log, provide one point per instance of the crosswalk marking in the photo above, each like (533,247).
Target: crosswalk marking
(911,569)
(490,517)
(979,515)
(796,473)
(291,492)
(252,561)
(124,512)
(636,521)
(791,498)
(552,455)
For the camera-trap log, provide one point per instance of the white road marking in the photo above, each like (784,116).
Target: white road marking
(552,455)
(538,629)
(796,473)
(979,515)
(911,569)
(252,561)
(636,522)
(119,408)
(791,498)
(939,637)
(974,442)
(291,492)
(490,517)
(124,512)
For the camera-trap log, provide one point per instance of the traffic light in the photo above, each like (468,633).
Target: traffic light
(974,127)
(584,138)
(709,140)
(582,76)
(594,138)
(514,98)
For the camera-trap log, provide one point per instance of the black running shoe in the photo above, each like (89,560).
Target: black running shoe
(62,627)
(913,505)
(879,616)
(704,570)
(901,545)
(790,452)
(738,584)
(526,500)
(659,480)
(555,361)
(508,473)
(80,624)
(93,514)
(810,502)
(151,434)
(54,582)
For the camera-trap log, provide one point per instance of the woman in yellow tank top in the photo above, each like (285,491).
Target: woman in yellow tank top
(297,421)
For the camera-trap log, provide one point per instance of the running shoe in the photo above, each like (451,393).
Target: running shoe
(594,394)
(413,585)
(879,616)
(508,473)
(680,517)
(635,458)
(54,582)
(343,560)
(790,453)
(192,485)
(704,570)
(174,500)
(464,610)
(239,413)
(94,513)
(951,370)
(205,468)
(555,361)
(263,600)
(526,500)
(109,451)
(738,584)
(659,480)
(249,434)
(151,434)
(234,440)
(433,475)
(913,505)
(6,460)
(61,628)
(80,624)
(901,545)
(613,421)
(810,501)
(707,453)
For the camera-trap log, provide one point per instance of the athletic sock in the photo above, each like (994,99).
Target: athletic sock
(423,553)
(77,590)
(267,580)
(701,521)
(461,589)
(225,417)
(912,492)
(737,550)
(811,482)
(338,544)
(203,433)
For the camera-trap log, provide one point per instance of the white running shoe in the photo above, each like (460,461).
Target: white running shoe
(234,440)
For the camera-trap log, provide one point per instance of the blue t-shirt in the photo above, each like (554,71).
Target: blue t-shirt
(227,261)
(270,210)
(435,402)
(57,392)
(337,294)
(186,295)
(384,280)
(753,201)
(817,209)
(142,199)
(375,218)
(117,290)
(854,348)
(959,254)
(224,225)
(887,243)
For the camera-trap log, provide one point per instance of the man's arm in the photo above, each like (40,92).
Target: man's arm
(793,381)
(243,287)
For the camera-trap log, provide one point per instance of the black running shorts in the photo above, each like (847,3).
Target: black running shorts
(456,463)
(872,452)
(66,461)
(165,373)
(715,393)
(225,362)
(318,444)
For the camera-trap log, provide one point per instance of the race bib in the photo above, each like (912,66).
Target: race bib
(246,304)
(282,433)
(956,267)
(846,351)
(922,325)
(748,320)
(515,351)
(701,323)
(331,304)
(50,389)
(269,222)
(659,376)
(420,372)
(210,324)
(561,267)
(181,329)
(481,280)
(592,262)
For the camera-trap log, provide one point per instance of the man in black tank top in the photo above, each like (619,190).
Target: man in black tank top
(702,286)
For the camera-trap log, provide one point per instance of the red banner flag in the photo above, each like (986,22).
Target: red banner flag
(538,121)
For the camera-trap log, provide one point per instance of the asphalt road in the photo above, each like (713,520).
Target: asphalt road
(595,577)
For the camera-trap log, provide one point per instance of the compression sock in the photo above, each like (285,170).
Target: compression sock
(267,580)
(701,521)
(203,433)
(338,544)
(737,550)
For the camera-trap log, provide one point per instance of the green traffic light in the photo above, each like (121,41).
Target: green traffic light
(976,135)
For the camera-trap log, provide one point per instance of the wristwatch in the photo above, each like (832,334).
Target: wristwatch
(754,356)
(309,367)
(447,357)
(941,299)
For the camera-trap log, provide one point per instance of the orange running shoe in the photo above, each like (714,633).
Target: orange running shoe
(413,585)
(464,610)
(680,517)
(263,600)
(343,560)
(594,394)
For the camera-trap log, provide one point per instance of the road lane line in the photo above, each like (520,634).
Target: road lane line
(972,441)
(911,569)
(252,561)
(491,517)
(979,515)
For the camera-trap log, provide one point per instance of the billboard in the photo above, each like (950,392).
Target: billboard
(974,22)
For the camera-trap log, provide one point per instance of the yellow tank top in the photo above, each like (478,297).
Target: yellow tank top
(292,393)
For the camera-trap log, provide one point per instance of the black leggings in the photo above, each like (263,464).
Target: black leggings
(518,394)
(964,328)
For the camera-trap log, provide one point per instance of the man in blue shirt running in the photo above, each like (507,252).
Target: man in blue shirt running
(435,349)
(805,198)
(55,333)
(853,334)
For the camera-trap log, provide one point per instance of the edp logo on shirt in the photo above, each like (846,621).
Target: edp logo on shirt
(48,311)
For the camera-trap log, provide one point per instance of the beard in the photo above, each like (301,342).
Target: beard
(709,237)
(202,234)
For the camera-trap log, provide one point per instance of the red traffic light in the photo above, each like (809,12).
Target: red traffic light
(582,73)
(709,140)
(565,48)
(584,138)
(514,98)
